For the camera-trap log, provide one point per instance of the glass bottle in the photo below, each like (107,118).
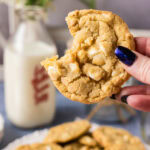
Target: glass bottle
(29,93)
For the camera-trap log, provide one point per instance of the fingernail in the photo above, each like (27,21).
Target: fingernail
(113,96)
(124,99)
(125,55)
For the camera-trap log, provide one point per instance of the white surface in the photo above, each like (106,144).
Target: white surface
(1,127)
(37,136)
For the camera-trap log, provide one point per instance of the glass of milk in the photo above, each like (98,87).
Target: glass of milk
(29,93)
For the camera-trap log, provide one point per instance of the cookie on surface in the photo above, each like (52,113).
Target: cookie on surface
(90,148)
(24,147)
(87,140)
(117,139)
(73,146)
(90,71)
(78,146)
(126,146)
(67,131)
(40,146)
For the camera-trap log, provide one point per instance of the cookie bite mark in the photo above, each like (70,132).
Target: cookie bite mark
(52,67)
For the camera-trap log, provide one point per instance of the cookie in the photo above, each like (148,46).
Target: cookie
(87,140)
(73,146)
(24,147)
(40,146)
(67,131)
(125,146)
(78,146)
(90,71)
(90,148)
(117,139)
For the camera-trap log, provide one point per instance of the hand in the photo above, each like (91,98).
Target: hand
(137,64)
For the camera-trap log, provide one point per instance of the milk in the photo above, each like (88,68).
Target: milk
(29,93)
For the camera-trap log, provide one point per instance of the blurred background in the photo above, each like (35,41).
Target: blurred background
(14,31)
(135,13)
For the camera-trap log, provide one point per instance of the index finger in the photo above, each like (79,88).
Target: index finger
(143,45)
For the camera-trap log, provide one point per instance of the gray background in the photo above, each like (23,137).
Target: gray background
(134,12)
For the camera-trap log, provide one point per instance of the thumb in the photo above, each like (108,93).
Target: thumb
(135,63)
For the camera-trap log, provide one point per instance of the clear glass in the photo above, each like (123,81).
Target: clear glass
(29,93)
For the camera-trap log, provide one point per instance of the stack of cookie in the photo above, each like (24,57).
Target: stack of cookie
(76,136)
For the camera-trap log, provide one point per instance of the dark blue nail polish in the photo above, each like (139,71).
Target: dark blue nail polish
(124,99)
(125,55)
(113,96)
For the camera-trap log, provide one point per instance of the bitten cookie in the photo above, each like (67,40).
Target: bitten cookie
(117,139)
(90,71)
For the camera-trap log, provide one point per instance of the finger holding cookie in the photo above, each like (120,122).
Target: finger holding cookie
(138,65)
